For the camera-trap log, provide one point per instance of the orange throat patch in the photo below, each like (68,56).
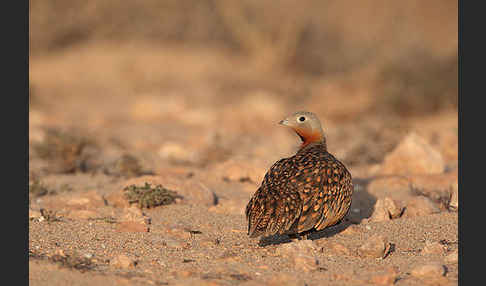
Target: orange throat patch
(308,137)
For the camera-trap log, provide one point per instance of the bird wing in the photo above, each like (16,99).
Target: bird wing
(276,205)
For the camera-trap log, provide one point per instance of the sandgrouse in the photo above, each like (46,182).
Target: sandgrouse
(308,191)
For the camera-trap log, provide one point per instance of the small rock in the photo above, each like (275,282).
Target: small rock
(229,207)
(134,214)
(374,247)
(433,248)
(398,185)
(394,210)
(130,226)
(339,249)
(428,271)
(123,261)
(420,206)
(434,186)
(175,244)
(282,279)
(34,214)
(413,156)
(305,262)
(300,246)
(88,200)
(179,233)
(454,198)
(387,278)
(176,152)
(386,209)
(453,257)
(82,214)
(117,199)
(60,252)
(238,170)
(380,212)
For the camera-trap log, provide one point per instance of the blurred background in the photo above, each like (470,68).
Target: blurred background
(194,83)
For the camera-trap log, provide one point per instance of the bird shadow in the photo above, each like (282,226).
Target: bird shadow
(361,208)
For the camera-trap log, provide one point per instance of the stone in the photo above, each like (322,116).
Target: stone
(413,155)
(393,208)
(174,243)
(229,207)
(420,206)
(339,249)
(380,212)
(300,246)
(117,199)
(131,226)
(240,170)
(281,278)
(123,261)
(454,198)
(305,262)
(82,214)
(176,152)
(374,247)
(396,185)
(433,248)
(134,214)
(434,186)
(87,200)
(387,278)
(428,271)
(34,214)
(452,257)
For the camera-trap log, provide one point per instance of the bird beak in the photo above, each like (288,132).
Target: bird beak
(284,122)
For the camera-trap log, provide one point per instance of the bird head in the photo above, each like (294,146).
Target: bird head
(306,125)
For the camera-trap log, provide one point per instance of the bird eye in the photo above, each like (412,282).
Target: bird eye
(302,119)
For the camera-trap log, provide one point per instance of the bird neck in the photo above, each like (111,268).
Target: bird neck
(311,137)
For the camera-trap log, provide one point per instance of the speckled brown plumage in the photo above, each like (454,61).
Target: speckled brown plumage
(310,190)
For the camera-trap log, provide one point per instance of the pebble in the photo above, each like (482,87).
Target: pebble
(87,200)
(305,262)
(339,249)
(300,246)
(176,152)
(433,248)
(394,210)
(387,278)
(454,198)
(413,155)
(420,206)
(34,214)
(428,271)
(379,212)
(453,257)
(134,214)
(131,226)
(225,206)
(123,261)
(386,209)
(82,214)
(236,170)
(374,247)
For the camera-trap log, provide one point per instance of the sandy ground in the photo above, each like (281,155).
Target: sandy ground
(88,235)
(202,121)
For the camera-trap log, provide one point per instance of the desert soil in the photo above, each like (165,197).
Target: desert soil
(215,157)
(202,122)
